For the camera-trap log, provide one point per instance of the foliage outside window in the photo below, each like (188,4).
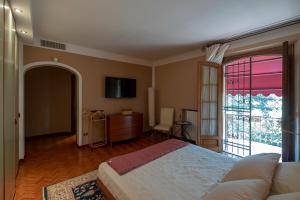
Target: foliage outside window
(265,119)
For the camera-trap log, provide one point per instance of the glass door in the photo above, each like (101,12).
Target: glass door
(209,85)
(237,108)
(253,105)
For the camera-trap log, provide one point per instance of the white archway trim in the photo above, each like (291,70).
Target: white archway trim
(22,72)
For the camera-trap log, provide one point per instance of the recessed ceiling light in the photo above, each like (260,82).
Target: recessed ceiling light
(17,10)
(23,32)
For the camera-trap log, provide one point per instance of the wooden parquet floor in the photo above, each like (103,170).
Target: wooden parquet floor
(55,158)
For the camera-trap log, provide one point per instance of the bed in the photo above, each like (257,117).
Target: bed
(186,173)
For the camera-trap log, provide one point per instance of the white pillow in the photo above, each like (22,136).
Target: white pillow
(260,166)
(250,189)
(287,196)
(286,178)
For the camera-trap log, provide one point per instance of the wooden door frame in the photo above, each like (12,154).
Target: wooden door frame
(219,103)
(73,104)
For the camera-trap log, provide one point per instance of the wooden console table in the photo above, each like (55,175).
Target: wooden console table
(124,127)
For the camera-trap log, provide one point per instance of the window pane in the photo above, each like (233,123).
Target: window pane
(213,75)
(213,110)
(205,93)
(205,129)
(213,93)
(213,128)
(205,111)
(205,75)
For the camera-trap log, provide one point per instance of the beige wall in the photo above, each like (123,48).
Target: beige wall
(176,82)
(176,85)
(47,101)
(93,72)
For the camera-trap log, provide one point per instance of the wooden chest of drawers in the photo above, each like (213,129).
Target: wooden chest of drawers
(123,127)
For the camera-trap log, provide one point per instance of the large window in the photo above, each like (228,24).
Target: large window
(253,105)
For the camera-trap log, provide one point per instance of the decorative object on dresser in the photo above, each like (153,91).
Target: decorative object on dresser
(126,112)
(124,127)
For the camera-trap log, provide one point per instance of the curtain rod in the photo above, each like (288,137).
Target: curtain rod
(276,26)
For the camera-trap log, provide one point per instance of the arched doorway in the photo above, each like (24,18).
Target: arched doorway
(79,134)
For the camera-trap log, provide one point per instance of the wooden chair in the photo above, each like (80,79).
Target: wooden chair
(166,121)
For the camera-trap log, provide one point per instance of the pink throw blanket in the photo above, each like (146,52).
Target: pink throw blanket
(125,163)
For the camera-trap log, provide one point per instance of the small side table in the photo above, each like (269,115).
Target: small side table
(183,129)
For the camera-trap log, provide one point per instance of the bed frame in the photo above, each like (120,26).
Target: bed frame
(104,189)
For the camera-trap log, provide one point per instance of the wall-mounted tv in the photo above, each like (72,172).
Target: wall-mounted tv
(120,87)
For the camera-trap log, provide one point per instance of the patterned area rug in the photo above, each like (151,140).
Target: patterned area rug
(83,187)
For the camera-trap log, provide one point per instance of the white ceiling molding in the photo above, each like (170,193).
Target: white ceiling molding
(76,49)
(23,19)
(181,57)
(267,36)
(250,41)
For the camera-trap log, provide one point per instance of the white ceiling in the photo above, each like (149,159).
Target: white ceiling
(23,20)
(154,29)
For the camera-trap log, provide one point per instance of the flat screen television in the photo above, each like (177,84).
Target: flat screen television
(120,87)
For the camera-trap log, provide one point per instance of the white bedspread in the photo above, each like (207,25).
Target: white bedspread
(187,173)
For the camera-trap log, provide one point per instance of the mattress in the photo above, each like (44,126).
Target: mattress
(187,173)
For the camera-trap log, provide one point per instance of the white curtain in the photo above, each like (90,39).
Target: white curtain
(215,53)
(209,106)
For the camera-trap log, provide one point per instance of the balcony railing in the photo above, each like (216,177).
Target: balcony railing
(265,134)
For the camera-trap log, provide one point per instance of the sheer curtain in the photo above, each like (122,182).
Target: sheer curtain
(209,101)
(215,53)
(210,85)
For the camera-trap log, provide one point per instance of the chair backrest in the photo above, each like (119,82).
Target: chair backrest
(167,116)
